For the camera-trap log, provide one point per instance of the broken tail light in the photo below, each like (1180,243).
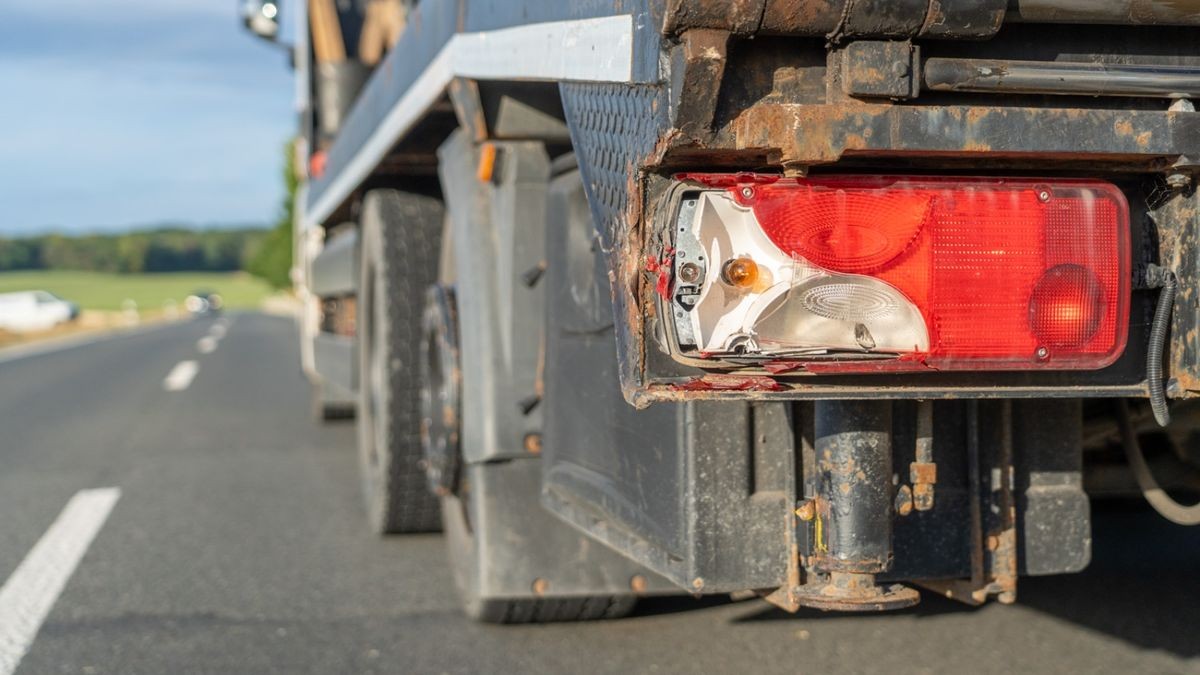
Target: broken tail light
(883,273)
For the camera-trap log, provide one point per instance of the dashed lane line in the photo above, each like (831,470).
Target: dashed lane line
(206,344)
(181,376)
(30,593)
(217,332)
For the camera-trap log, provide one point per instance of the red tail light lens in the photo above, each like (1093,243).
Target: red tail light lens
(854,232)
(942,273)
(1067,306)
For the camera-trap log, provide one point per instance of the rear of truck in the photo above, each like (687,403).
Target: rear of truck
(824,300)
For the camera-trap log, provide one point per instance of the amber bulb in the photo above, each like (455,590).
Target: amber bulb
(741,273)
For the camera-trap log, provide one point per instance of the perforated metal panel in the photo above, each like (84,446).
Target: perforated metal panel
(613,127)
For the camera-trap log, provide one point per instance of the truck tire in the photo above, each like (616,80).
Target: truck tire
(512,561)
(461,543)
(551,610)
(398,258)
(324,410)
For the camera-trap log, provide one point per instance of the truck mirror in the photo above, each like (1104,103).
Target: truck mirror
(261,17)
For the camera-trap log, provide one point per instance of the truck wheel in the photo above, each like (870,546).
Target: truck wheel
(441,379)
(399,245)
(463,558)
(324,410)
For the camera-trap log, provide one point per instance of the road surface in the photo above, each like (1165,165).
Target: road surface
(237,545)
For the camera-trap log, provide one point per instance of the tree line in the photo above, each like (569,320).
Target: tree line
(167,249)
(266,253)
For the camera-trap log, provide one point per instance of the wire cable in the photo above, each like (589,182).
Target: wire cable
(1159,277)
(1157,497)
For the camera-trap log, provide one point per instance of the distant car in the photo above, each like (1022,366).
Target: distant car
(28,311)
(201,303)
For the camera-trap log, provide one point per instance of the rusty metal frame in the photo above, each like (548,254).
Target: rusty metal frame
(941,19)
(805,136)
(845,133)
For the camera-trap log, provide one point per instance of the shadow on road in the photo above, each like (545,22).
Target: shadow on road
(675,604)
(1143,586)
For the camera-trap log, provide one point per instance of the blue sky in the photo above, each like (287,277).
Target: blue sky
(120,113)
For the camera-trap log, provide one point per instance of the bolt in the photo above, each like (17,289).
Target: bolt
(806,510)
(1178,180)
(638,583)
(697,583)
(689,273)
(533,443)
(540,586)
(904,500)
(793,169)
(1182,105)
(922,496)
(747,192)
(1043,353)
(1044,195)
(1174,389)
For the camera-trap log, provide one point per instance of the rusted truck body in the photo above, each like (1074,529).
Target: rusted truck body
(822,299)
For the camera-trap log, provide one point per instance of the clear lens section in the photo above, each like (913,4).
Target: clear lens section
(792,306)
(843,313)
(934,273)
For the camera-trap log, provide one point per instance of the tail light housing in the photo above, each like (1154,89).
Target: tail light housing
(862,274)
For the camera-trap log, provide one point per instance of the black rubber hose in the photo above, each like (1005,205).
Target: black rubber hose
(1157,497)
(1165,279)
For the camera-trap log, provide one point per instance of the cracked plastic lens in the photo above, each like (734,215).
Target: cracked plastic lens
(940,273)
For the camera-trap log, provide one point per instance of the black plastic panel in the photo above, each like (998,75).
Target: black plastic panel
(698,491)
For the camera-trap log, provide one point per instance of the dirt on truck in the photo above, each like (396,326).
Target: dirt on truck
(824,300)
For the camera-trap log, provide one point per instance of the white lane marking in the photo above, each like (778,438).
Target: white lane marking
(207,344)
(32,590)
(181,376)
(216,333)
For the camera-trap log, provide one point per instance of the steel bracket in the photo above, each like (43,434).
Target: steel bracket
(881,69)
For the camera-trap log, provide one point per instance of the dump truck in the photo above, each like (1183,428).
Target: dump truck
(828,301)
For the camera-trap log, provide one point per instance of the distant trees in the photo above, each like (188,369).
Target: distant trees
(169,249)
(264,253)
(20,254)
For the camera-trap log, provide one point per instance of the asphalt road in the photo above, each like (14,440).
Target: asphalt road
(238,545)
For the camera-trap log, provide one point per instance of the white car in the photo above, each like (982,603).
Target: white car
(28,311)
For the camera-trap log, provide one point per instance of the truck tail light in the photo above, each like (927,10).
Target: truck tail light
(886,273)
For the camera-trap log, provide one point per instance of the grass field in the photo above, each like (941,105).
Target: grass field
(151,292)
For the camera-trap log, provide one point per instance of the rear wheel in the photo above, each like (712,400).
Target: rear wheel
(399,244)
(464,559)
(513,562)
(325,410)
(463,507)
